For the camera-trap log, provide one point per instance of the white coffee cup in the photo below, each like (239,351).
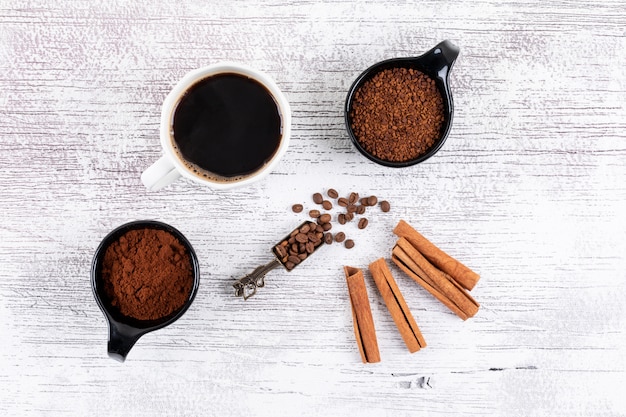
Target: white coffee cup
(170,167)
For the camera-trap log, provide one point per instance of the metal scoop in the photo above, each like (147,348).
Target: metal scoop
(292,250)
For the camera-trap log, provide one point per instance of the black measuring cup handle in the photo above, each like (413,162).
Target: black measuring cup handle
(441,57)
(121,339)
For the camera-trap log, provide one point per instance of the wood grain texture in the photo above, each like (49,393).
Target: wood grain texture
(529,191)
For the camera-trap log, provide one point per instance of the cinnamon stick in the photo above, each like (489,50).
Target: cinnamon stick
(362,315)
(459,272)
(433,280)
(397,306)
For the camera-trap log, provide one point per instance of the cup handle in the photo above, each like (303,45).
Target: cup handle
(160,174)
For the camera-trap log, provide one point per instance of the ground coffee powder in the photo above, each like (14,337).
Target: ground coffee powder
(147,274)
(397,115)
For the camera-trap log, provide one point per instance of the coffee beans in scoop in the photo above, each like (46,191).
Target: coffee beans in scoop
(300,243)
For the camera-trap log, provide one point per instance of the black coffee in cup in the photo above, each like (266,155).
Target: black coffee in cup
(226,127)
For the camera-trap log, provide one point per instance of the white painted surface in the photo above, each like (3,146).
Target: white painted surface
(529,190)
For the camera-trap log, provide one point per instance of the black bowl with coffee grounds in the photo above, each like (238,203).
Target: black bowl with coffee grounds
(399,112)
(144,276)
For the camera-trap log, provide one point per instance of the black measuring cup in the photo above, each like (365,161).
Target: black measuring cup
(125,331)
(435,63)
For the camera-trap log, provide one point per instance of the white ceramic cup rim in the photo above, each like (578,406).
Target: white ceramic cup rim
(191,78)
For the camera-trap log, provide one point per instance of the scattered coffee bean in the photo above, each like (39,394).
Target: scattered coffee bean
(318,232)
(324,218)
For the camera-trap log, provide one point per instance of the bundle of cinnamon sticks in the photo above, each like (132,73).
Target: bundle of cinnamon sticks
(444,277)
(447,279)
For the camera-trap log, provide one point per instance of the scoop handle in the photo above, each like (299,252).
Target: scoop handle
(246,287)
(121,339)
(441,57)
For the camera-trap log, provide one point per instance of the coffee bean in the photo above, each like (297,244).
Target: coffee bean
(303,255)
(305,229)
(349,244)
(297,208)
(327,205)
(328,238)
(314,213)
(354,197)
(319,228)
(295,232)
(309,247)
(372,200)
(325,218)
(385,206)
(340,237)
(280,251)
(351,208)
(302,238)
(327,226)
(294,259)
(349,217)
(318,198)
(332,193)
(289,265)
(312,236)
(343,202)
(363,201)
(363,223)
(292,240)
(360,209)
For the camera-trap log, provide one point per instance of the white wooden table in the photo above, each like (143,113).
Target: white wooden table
(529,190)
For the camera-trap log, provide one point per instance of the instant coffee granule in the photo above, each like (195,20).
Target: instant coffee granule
(147,274)
(397,115)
